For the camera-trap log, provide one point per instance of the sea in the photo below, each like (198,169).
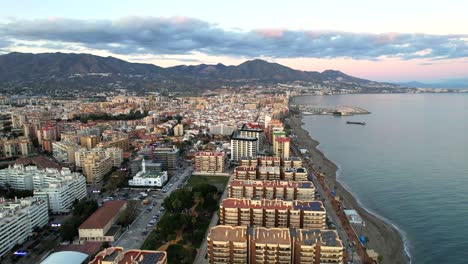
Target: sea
(408,165)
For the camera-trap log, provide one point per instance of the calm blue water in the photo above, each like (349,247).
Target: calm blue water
(409,164)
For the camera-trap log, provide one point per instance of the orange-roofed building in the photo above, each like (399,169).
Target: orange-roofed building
(117,255)
(100,226)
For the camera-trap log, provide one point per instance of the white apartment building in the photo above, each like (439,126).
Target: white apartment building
(61,190)
(18,220)
(222,129)
(64,151)
(248,130)
(116,155)
(18,177)
(58,188)
(243,146)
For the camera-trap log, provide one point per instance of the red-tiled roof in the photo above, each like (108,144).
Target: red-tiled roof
(103,215)
(283,139)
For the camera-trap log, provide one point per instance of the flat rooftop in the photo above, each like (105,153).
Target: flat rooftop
(246,168)
(273,204)
(275,236)
(317,236)
(299,170)
(228,233)
(151,174)
(269,183)
(264,235)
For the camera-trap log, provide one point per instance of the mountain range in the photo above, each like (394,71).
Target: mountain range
(86,71)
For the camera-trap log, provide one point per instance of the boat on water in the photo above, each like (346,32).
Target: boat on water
(355,123)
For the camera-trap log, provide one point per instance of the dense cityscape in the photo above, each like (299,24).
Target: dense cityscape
(165,177)
(233,132)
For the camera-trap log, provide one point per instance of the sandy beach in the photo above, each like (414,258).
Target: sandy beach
(383,237)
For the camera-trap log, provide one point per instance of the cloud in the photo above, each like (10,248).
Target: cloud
(181,36)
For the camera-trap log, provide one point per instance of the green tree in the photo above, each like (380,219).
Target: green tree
(130,214)
(177,254)
(68,230)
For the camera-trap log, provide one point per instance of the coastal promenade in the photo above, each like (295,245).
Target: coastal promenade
(333,213)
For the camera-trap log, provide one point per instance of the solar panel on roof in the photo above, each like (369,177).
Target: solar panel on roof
(151,258)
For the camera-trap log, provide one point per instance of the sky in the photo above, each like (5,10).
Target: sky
(397,40)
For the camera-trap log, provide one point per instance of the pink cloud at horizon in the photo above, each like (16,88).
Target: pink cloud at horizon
(386,69)
(270,33)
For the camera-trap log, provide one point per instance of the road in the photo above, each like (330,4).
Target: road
(133,238)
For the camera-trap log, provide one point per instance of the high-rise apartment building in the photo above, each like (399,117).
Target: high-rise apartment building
(282,147)
(18,120)
(18,220)
(245,173)
(295,174)
(97,162)
(264,189)
(58,188)
(243,146)
(64,151)
(292,162)
(222,129)
(272,213)
(89,141)
(252,130)
(168,157)
(240,244)
(206,161)
(270,173)
(178,130)
(15,147)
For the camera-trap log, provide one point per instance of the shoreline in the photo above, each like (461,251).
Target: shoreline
(384,237)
